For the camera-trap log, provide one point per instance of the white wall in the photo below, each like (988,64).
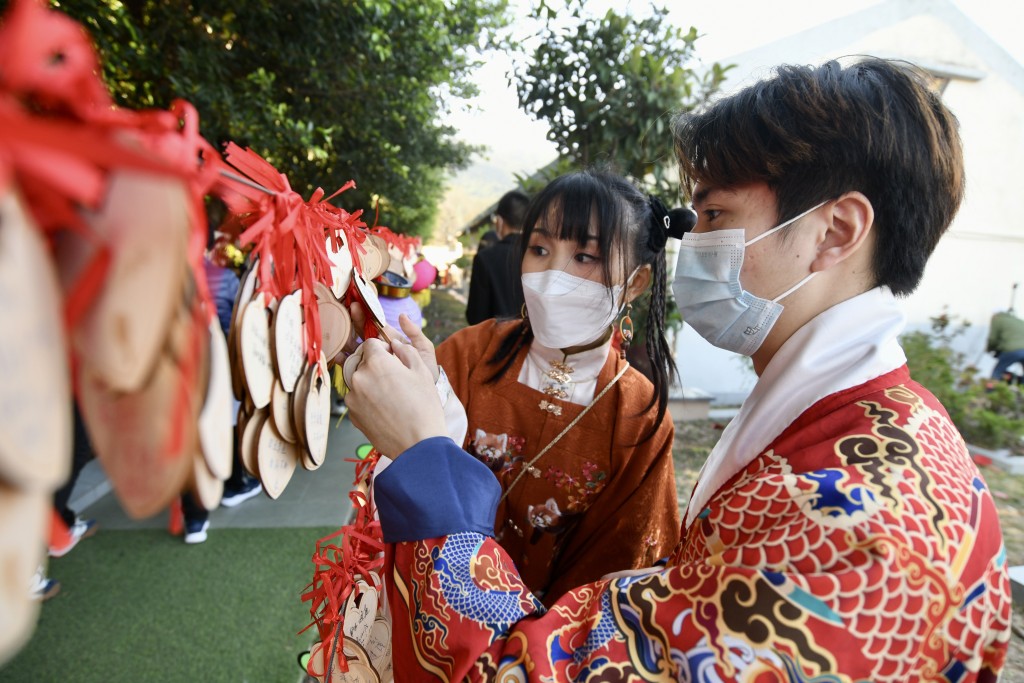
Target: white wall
(976,263)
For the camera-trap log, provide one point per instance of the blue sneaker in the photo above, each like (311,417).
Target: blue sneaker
(232,497)
(195,532)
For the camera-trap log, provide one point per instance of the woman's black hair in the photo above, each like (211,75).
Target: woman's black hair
(630,225)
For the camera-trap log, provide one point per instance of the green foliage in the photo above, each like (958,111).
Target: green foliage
(326,90)
(988,414)
(608,85)
(535,182)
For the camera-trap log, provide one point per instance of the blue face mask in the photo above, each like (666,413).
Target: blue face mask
(709,295)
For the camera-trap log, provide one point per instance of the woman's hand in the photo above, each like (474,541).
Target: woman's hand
(391,398)
(410,330)
(419,341)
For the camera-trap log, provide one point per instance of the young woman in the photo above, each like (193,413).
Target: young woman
(580,441)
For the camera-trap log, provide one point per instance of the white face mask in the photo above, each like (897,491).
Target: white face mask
(566,310)
(709,295)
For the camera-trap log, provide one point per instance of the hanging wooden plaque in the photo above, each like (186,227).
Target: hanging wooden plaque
(277,460)
(289,340)
(335,322)
(24,525)
(317,412)
(341,266)
(248,448)
(381,245)
(372,260)
(145,223)
(144,440)
(35,400)
(281,412)
(242,297)
(368,295)
(254,340)
(215,429)
(204,484)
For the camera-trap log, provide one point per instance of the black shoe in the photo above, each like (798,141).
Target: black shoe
(249,488)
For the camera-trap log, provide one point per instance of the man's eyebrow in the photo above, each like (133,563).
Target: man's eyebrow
(701,195)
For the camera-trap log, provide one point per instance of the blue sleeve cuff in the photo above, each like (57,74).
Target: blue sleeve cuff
(435,489)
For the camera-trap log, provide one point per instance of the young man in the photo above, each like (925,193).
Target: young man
(494,289)
(839,531)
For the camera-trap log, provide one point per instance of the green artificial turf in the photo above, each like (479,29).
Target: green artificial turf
(143,606)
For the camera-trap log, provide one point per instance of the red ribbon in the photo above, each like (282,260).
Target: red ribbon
(337,566)
(62,136)
(288,233)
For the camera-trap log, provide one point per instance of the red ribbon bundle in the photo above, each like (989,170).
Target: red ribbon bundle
(288,232)
(61,136)
(407,245)
(337,566)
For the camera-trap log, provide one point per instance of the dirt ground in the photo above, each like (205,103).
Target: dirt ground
(695,439)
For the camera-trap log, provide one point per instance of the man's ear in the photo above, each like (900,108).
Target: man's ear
(849,223)
(637,286)
(499,227)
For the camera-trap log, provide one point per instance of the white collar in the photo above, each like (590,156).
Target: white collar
(587,365)
(843,347)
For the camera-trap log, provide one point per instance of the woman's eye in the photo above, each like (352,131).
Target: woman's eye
(711,214)
(537,250)
(586,258)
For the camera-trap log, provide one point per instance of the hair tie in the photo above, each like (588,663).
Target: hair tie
(665,223)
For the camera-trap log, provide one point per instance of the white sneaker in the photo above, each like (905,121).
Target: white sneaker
(43,588)
(197,533)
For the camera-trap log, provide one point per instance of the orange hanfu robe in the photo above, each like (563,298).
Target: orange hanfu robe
(602,499)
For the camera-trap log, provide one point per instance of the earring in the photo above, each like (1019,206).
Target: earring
(625,331)
(523,313)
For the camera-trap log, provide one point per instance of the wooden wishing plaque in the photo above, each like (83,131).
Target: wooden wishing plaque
(341,266)
(289,340)
(145,223)
(143,440)
(359,668)
(215,429)
(277,459)
(254,343)
(398,264)
(335,322)
(317,411)
(385,255)
(35,400)
(372,260)
(248,446)
(281,412)
(360,613)
(24,524)
(378,646)
(242,297)
(204,484)
(368,295)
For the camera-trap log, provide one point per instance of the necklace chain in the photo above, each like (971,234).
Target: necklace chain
(529,466)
